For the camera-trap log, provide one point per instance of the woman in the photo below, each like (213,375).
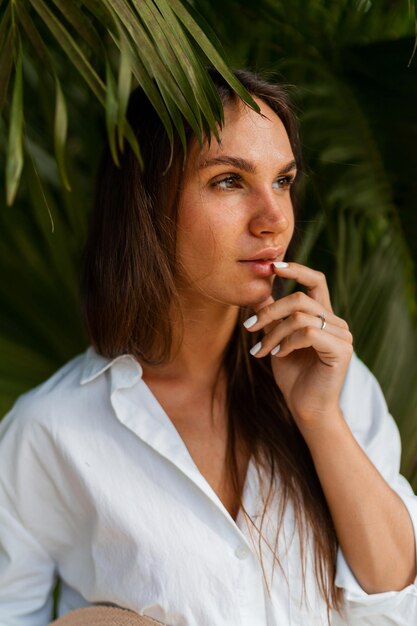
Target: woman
(219,456)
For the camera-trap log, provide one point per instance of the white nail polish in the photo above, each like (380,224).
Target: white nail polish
(251,321)
(275,350)
(280,264)
(256,348)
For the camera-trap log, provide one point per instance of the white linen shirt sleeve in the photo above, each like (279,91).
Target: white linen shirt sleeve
(25,597)
(26,570)
(367,415)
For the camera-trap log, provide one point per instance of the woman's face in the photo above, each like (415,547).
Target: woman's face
(235,214)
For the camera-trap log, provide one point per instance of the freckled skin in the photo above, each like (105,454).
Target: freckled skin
(223,220)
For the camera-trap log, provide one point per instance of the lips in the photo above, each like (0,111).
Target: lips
(259,267)
(267,255)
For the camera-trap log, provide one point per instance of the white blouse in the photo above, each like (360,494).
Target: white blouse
(97,487)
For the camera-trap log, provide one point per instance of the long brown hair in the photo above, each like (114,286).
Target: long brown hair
(128,288)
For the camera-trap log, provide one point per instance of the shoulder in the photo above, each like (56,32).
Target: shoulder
(27,451)
(61,398)
(30,424)
(37,403)
(80,387)
(49,435)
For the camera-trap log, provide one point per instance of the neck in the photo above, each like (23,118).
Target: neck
(199,357)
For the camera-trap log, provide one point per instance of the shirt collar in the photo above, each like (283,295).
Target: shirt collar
(95,364)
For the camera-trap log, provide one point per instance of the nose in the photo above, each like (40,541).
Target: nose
(271,214)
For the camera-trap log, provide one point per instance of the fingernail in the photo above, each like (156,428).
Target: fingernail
(251,321)
(280,264)
(256,348)
(275,350)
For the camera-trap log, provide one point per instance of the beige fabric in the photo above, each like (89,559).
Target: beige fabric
(104,616)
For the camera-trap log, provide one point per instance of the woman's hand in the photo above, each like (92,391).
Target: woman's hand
(309,359)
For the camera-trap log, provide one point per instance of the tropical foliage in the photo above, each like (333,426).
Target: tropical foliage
(66,69)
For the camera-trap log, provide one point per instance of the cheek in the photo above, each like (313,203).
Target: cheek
(195,240)
(206,227)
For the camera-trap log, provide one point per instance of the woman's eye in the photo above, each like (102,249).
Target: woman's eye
(228,182)
(284,182)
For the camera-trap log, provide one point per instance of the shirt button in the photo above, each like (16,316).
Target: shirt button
(242,552)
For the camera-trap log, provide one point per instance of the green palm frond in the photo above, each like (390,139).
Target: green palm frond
(161,38)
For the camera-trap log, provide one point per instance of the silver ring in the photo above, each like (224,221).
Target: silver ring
(323,321)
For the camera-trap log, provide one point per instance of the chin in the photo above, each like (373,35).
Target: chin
(255,294)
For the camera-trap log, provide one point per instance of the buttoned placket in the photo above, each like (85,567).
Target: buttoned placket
(131,398)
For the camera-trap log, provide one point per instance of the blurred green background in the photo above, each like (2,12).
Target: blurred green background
(349,67)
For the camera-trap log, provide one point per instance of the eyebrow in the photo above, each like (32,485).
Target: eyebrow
(243,164)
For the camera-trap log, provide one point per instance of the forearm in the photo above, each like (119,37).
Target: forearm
(372,524)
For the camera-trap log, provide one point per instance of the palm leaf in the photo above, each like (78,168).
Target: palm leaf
(111,111)
(210,51)
(145,80)
(172,95)
(60,134)
(200,87)
(123,87)
(153,39)
(6,65)
(33,37)
(82,25)
(163,43)
(6,56)
(15,141)
(71,48)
